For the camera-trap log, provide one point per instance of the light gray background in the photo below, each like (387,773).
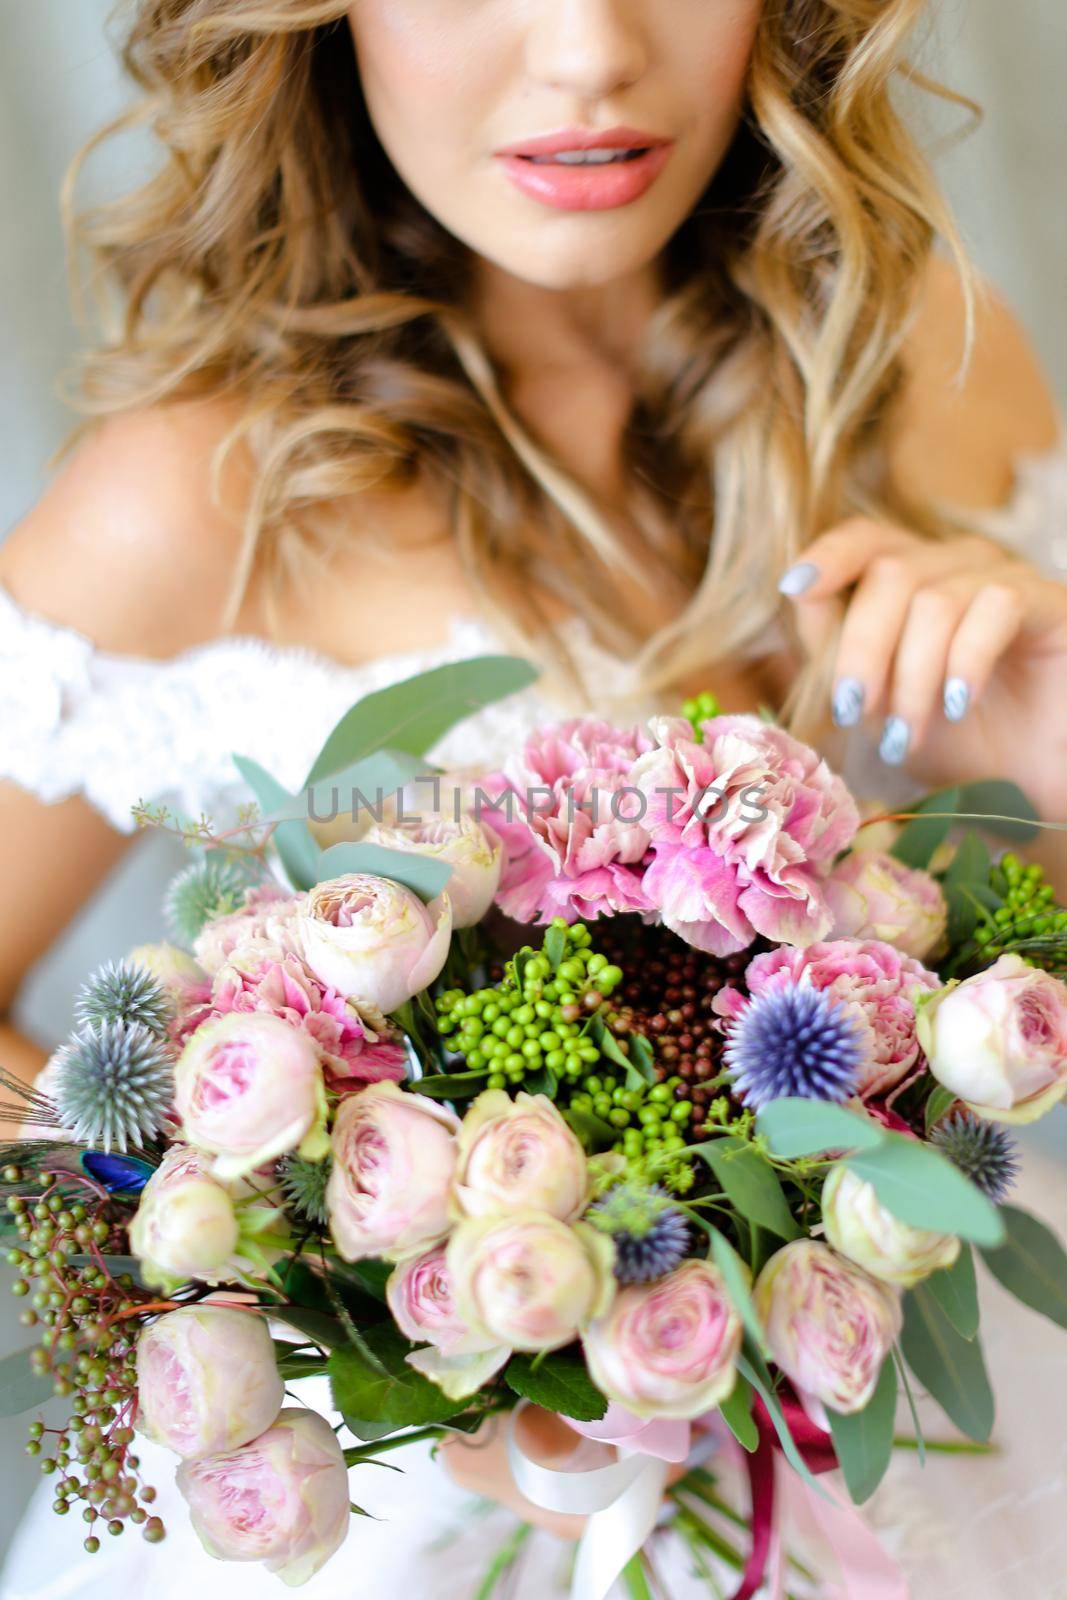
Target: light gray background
(58,81)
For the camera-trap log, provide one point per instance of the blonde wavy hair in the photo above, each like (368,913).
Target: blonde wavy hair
(275,256)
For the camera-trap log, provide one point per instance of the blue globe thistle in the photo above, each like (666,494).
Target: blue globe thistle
(115,1085)
(122,991)
(203,890)
(304,1185)
(651,1235)
(794,1041)
(986,1154)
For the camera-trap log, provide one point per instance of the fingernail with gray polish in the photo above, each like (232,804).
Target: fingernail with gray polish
(798,579)
(896,736)
(847,703)
(956,699)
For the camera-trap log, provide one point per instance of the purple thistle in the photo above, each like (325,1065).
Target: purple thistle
(651,1235)
(794,1041)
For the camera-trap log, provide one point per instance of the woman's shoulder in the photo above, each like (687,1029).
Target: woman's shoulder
(975,400)
(130,544)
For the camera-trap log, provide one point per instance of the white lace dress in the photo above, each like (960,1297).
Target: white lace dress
(119,730)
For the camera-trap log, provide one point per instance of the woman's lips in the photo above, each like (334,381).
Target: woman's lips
(587,188)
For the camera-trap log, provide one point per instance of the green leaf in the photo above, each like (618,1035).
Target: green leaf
(297,850)
(950,1367)
(735,1276)
(452,1085)
(358,791)
(969,869)
(940,1101)
(413,715)
(757,1375)
(642,1058)
(923,1188)
(956,1292)
(601,1035)
(794,1127)
(863,1441)
(749,1182)
(559,1382)
(1007,810)
(422,874)
(737,1414)
(917,841)
(22,1389)
(634,1577)
(1031,1264)
(593,1131)
(905,1384)
(297,1363)
(326,1330)
(554,945)
(398,1395)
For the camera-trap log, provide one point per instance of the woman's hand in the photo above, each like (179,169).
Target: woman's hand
(958,650)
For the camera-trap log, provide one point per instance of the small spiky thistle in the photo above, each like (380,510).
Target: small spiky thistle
(651,1235)
(794,1041)
(122,991)
(115,1085)
(203,890)
(988,1155)
(304,1183)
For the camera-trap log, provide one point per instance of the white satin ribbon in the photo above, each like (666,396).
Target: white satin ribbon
(621,1500)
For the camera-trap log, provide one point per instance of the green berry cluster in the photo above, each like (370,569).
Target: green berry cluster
(651,1122)
(88,1347)
(1029,910)
(699,709)
(534,1020)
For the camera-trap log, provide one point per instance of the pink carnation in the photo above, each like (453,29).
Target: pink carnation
(574,836)
(876,982)
(744,828)
(268,912)
(264,978)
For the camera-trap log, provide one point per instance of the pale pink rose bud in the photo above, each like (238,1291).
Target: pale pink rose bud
(372,939)
(184,979)
(185,1225)
(828,1324)
(419,1294)
(874,896)
(999,1040)
(394,1155)
(519,1155)
(859,1227)
(282,1499)
(206,1379)
(248,1088)
(528,1280)
(471,849)
(269,913)
(667,1349)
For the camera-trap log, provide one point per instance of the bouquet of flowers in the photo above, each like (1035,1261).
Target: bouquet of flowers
(636,1080)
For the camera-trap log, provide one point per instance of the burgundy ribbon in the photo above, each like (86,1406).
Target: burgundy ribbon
(816,1449)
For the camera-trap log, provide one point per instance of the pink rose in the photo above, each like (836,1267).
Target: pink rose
(669,1348)
(519,1155)
(282,1499)
(875,896)
(373,940)
(877,984)
(206,1379)
(185,1226)
(249,1088)
(829,1326)
(566,812)
(394,1157)
(260,977)
(744,828)
(473,851)
(421,1298)
(269,912)
(527,1280)
(999,1040)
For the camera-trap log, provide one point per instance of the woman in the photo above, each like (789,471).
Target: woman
(608,331)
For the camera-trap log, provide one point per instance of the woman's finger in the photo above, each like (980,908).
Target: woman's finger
(837,559)
(920,666)
(987,628)
(871,629)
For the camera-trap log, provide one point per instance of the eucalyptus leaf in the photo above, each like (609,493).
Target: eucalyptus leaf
(923,1188)
(793,1127)
(956,1292)
(950,1367)
(749,1182)
(554,946)
(413,715)
(863,1440)
(753,1372)
(420,873)
(917,841)
(737,1278)
(297,850)
(592,1130)
(736,1412)
(22,1389)
(559,1382)
(1031,1264)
